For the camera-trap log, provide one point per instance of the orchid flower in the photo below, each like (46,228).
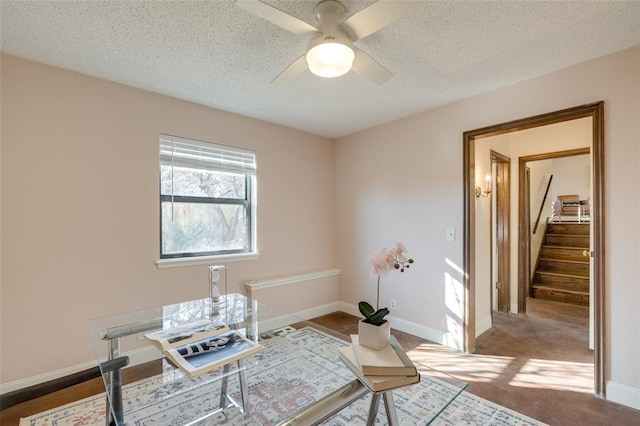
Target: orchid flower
(383,261)
(399,252)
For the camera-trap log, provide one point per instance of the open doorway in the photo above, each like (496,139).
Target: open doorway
(555,254)
(595,113)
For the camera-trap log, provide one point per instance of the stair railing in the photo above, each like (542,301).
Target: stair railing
(544,199)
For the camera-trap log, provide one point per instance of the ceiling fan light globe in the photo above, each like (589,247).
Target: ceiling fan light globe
(330,59)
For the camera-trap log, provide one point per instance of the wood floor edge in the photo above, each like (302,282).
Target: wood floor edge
(22,395)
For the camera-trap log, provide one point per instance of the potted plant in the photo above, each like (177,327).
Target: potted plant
(374,330)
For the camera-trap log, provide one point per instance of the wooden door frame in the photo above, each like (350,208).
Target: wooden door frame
(524,204)
(524,220)
(503,163)
(596,112)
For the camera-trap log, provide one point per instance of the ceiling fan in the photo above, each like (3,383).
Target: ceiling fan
(331,52)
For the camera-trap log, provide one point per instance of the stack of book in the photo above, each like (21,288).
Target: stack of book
(380,370)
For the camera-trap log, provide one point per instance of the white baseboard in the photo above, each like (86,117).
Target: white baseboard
(623,394)
(318,311)
(285,320)
(483,325)
(136,357)
(45,377)
(349,308)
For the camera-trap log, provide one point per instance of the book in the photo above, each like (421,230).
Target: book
(375,383)
(213,352)
(388,361)
(184,334)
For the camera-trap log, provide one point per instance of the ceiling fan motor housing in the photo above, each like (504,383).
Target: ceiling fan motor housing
(330,12)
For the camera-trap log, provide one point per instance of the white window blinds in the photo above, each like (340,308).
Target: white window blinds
(177,151)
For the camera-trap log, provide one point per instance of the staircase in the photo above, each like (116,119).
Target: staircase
(562,270)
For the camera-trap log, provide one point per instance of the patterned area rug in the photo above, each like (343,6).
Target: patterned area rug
(281,383)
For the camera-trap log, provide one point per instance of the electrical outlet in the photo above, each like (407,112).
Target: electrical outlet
(392,304)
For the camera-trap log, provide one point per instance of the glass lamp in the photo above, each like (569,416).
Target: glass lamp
(330,55)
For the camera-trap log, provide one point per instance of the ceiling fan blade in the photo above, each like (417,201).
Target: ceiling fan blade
(376,16)
(297,67)
(277,17)
(368,67)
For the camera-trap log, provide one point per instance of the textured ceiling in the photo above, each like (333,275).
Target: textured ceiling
(216,54)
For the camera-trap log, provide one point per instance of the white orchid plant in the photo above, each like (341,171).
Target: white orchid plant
(383,261)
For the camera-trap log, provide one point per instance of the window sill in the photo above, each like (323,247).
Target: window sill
(204,260)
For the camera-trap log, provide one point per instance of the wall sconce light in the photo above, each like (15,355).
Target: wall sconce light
(487,187)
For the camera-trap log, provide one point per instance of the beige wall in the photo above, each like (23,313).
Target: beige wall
(80,209)
(573,176)
(403,181)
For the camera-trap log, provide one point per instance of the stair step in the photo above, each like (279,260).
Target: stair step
(564,248)
(567,234)
(564,270)
(560,252)
(563,266)
(559,288)
(567,240)
(564,281)
(568,228)
(563,275)
(561,295)
(546,277)
(567,261)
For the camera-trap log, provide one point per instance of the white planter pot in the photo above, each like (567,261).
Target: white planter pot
(374,336)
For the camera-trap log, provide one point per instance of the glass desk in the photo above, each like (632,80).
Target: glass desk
(296,379)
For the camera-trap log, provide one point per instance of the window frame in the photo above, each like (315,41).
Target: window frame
(248,202)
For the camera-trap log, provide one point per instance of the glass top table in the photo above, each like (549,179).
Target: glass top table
(297,377)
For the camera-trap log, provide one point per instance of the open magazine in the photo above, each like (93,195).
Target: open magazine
(207,354)
(184,334)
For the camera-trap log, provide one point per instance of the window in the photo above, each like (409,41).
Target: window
(206,198)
